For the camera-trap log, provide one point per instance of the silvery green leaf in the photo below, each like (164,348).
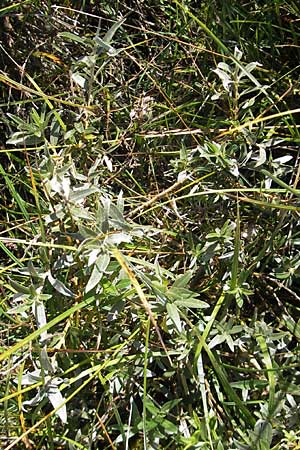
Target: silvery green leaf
(59,286)
(263,434)
(234,169)
(105,47)
(180,293)
(106,202)
(45,361)
(216,341)
(292,326)
(39,313)
(120,225)
(79,79)
(272,142)
(34,401)
(16,119)
(225,78)
(248,69)
(238,53)
(31,378)
(117,238)
(35,272)
(85,233)
(72,37)
(79,213)
(182,176)
(248,103)
(115,213)
(93,256)
(55,184)
(224,67)
(283,159)
(192,303)
(53,217)
(55,397)
(19,287)
(94,167)
(174,315)
(80,193)
(230,343)
(113,51)
(251,66)
(94,279)
(111,32)
(21,309)
(120,202)
(108,163)
(261,158)
(182,280)
(102,262)
(65,187)
(97,272)
(216,96)
(55,131)
(17,138)
(138,232)
(89,61)
(102,219)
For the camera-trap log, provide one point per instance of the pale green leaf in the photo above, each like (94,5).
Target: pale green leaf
(174,315)
(56,399)
(59,286)
(72,37)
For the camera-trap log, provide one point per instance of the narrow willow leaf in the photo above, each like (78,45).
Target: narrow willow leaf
(19,137)
(120,203)
(45,361)
(39,313)
(191,303)
(59,286)
(79,79)
(263,434)
(104,46)
(79,213)
(182,293)
(174,315)
(80,193)
(93,256)
(73,37)
(216,341)
(102,262)
(201,377)
(117,238)
(94,279)
(183,280)
(115,213)
(111,32)
(55,397)
(20,288)
(97,272)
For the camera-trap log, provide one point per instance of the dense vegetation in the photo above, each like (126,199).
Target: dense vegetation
(149,242)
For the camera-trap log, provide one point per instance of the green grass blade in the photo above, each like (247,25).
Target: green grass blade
(271,372)
(86,302)
(20,202)
(232,396)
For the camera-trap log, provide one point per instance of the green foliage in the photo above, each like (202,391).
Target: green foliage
(150,225)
